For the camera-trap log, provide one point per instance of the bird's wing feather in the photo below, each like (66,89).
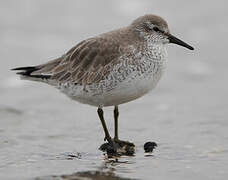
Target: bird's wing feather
(87,62)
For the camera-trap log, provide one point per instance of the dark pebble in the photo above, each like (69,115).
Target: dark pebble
(149,146)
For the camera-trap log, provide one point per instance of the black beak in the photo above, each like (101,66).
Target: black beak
(174,40)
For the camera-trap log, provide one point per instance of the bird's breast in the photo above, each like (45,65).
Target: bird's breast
(130,79)
(134,77)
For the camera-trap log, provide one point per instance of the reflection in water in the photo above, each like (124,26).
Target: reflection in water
(105,172)
(115,161)
(88,175)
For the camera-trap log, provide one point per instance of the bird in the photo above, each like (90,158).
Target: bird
(110,69)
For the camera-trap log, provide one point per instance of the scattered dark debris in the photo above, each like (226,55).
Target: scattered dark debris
(126,150)
(70,156)
(149,146)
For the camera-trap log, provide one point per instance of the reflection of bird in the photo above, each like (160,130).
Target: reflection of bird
(110,69)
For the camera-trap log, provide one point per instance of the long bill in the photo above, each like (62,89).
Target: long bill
(174,40)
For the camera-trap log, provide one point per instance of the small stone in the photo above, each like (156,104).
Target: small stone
(149,146)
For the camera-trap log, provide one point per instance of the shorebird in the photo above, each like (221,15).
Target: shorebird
(110,69)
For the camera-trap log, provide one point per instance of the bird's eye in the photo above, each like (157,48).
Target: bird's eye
(156,29)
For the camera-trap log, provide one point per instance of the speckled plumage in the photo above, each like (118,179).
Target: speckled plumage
(112,68)
(132,77)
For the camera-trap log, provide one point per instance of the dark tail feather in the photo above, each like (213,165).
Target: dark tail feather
(26,71)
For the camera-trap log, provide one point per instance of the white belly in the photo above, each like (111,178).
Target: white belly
(107,94)
(127,92)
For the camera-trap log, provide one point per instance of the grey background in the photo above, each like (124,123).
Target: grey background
(186,114)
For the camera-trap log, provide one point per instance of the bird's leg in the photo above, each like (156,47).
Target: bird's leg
(107,135)
(116,115)
(116,137)
(114,146)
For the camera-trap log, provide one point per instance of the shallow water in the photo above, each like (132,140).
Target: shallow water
(45,135)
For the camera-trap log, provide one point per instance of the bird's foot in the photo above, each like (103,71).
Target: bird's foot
(125,147)
(116,147)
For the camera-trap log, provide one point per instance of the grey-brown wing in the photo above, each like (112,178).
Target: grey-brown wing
(88,62)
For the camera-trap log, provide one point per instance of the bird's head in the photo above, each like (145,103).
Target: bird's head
(155,29)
